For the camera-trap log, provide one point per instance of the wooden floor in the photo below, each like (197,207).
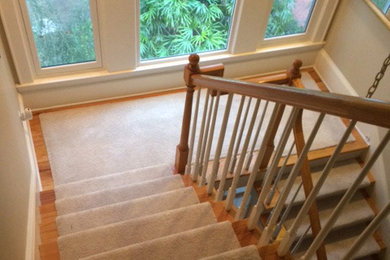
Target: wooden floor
(48,229)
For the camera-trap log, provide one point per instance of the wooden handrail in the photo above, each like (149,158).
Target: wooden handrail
(370,111)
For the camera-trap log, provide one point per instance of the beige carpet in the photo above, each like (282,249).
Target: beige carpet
(154,219)
(192,244)
(94,141)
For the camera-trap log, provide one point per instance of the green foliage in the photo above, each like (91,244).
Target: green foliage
(62,31)
(177,27)
(281,21)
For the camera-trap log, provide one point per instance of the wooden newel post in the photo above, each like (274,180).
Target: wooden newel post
(182,148)
(294,72)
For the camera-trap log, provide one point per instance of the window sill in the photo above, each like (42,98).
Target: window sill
(162,67)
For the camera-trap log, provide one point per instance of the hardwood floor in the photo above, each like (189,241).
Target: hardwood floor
(48,228)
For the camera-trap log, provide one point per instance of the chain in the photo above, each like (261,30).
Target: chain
(378,77)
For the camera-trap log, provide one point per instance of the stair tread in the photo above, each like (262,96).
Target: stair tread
(192,244)
(356,212)
(244,253)
(121,211)
(117,194)
(338,181)
(112,180)
(109,237)
(338,249)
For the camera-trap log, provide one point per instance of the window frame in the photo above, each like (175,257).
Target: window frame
(384,17)
(116,36)
(227,50)
(65,68)
(312,28)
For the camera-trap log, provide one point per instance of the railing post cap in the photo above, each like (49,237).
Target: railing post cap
(297,64)
(193,59)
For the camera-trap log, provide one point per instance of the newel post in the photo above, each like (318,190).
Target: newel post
(294,72)
(182,148)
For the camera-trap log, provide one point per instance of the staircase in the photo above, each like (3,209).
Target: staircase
(129,217)
(152,213)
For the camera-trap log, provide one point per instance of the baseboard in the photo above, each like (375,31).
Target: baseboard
(332,76)
(32,232)
(31,241)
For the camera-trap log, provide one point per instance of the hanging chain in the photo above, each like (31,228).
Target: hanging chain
(378,77)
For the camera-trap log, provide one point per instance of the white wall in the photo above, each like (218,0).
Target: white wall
(16,180)
(357,44)
(103,86)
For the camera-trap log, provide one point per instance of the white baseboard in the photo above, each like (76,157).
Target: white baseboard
(332,76)
(31,240)
(32,234)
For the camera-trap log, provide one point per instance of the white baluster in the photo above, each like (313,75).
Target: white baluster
(240,136)
(260,155)
(301,239)
(221,188)
(279,176)
(205,138)
(345,199)
(291,232)
(248,163)
(193,133)
(200,139)
(265,236)
(214,171)
(368,231)
(286,213)
(272,170)
(240,164)
(210,140)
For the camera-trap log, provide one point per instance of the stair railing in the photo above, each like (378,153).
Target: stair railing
(259,131)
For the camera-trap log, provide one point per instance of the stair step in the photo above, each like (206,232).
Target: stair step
(193,244)
(357,212)
(119,194)
(112,180)
(122,211)
(338,181)
(338,249)
(109,237)
(244,253)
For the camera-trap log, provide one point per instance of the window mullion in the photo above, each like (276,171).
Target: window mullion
(322,22)
(250,23)
(119,34)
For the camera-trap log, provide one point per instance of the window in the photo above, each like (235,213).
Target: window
(126,38)
(62,31)
(289,17)
(171,28)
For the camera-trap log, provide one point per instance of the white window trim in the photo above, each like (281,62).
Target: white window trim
(116,24)
(66,68)
(321,16)
(385,18)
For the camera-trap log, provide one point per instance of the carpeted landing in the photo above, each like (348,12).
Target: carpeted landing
(130,217)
